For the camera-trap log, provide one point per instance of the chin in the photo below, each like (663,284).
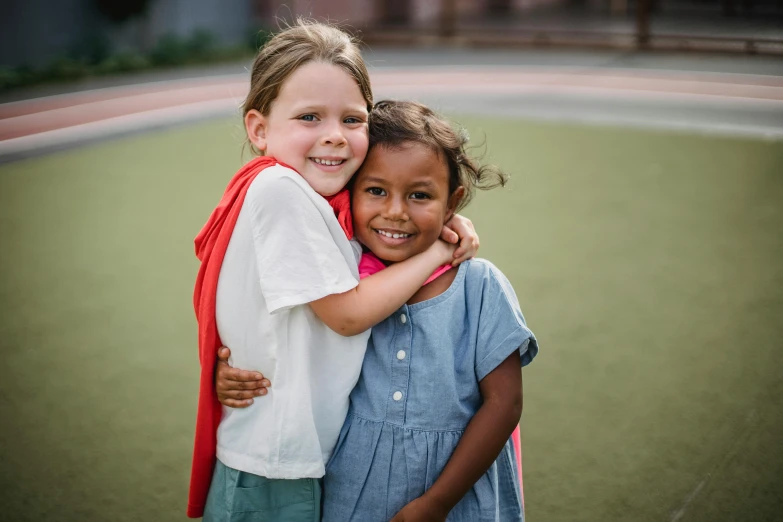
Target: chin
(328,190)
(392,256)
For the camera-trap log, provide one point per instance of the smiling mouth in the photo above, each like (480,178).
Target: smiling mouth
(328,163)
(392,235)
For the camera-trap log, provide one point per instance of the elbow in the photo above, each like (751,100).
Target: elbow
(346,328)
(512,409)
(350,331)
(341,314)
(506,411)
(516,407)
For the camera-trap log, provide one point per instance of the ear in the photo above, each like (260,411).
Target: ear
(454,200)
(255,126)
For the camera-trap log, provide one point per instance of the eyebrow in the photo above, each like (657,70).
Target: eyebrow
(424,184)
(372,179)
(323,108)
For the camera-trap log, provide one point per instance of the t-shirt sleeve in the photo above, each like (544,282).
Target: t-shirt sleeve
(356,247)
(297,257)
(501,328)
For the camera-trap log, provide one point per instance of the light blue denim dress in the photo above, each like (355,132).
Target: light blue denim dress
(417,392)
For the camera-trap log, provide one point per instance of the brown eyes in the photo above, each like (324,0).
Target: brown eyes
(377,191)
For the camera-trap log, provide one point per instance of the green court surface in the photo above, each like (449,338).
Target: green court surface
(649,264)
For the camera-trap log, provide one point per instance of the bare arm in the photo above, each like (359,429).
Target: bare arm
(236,388)
(479,447)
(380,295)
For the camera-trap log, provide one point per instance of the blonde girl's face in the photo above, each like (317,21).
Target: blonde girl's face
(317,125)
(400,200)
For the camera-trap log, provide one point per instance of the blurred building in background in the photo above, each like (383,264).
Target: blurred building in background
(33,33)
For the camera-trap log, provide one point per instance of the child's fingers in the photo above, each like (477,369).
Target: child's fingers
(239,398)
(461,255)
(240,390)
(223,354)
(240,395)
(448,235)
(466,250)
(244,385)
(235,374)
(232,403)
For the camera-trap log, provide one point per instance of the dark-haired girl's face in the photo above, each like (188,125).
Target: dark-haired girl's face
(400,200)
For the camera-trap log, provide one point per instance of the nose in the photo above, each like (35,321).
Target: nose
(333,135)
(396,209)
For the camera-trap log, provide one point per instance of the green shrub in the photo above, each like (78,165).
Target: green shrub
(170,50)
(122,62)
(66,68)
(94,57)
(9,78)
(201,45)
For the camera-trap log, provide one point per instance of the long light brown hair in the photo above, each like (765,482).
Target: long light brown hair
(304,42)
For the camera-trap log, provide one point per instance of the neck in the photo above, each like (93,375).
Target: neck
(434,288)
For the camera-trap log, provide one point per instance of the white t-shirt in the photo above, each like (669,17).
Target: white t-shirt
(287,249)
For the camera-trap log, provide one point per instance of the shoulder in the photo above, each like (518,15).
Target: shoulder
(279,187)
(484,277)
(277,178)
(483,270)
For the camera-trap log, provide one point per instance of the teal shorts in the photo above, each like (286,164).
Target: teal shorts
(236,496)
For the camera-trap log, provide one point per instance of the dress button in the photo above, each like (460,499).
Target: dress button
(397,396)
(403,319)
(401,355)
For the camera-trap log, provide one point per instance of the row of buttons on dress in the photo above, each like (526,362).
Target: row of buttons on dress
(400,356)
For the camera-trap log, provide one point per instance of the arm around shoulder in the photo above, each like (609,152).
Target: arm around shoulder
(298,254)
(380,295)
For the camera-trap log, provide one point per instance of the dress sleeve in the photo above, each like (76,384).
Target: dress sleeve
(297,256)
(501,327)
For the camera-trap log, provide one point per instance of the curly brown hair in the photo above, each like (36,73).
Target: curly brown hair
(394,123)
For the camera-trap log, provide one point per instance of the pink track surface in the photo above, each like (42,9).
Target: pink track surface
(34,116)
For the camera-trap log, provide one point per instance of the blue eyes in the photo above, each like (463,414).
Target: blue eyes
(348,121)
